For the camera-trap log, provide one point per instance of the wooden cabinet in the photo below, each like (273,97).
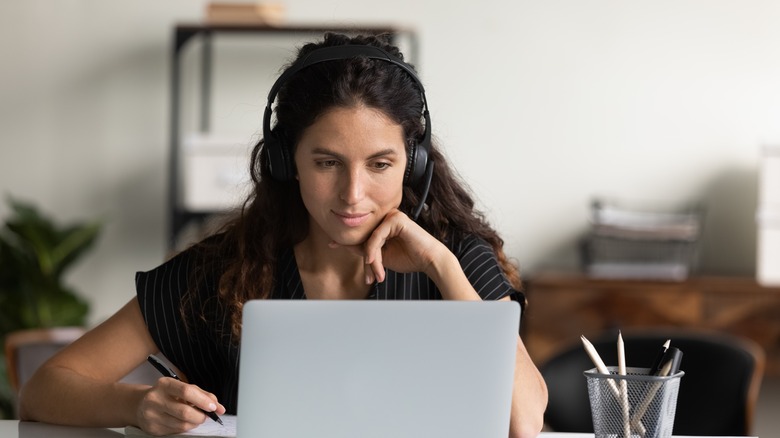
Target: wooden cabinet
(563,306)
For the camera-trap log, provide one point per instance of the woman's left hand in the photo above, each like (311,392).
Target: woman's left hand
(398,244)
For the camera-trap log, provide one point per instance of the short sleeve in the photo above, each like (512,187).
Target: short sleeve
(160,293)
(481,267)
(164,295)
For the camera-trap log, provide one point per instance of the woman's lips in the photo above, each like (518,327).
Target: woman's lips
(352,219)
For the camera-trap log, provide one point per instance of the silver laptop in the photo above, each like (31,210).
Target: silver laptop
(396,369)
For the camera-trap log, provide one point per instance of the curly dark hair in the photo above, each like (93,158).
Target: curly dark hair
(273,217)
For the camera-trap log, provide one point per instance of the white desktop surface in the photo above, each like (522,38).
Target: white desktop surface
(25,429)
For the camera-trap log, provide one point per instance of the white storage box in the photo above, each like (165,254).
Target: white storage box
(215,173)
(768,257)
(769,179)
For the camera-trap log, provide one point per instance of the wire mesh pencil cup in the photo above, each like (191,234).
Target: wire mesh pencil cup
(633,405)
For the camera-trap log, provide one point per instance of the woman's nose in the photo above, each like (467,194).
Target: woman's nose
(353,186)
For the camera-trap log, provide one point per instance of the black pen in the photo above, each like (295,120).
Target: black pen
(670,364)
(674,357)
(167,372)
(656,366)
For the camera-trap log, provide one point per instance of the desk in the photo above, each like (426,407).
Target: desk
(25,429)
(564,305)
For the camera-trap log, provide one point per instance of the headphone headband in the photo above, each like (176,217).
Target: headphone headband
(335,53)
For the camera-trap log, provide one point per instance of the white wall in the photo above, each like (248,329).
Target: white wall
(540,104)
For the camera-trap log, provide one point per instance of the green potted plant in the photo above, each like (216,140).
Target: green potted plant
(35,252)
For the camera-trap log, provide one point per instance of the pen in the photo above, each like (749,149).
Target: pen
(658,358)
(167,372)
(669,366)
(670,363)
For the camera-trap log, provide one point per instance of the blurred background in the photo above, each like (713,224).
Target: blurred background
(540,105)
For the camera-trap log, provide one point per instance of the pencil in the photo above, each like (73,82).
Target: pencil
(594,356)
(623,386)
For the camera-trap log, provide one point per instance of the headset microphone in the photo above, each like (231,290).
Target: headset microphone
(426,188)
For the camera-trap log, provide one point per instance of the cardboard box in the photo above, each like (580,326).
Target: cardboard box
(244,13)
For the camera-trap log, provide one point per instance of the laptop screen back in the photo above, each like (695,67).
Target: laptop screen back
(376,368)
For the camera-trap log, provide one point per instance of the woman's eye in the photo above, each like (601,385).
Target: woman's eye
(327,163)
(381,165)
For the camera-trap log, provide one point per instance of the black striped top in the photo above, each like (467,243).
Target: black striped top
(203,348)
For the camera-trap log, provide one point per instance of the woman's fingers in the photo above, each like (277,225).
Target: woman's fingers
(170,424)
(193,395)
(172,406)
(396,243)
(375,270)
(161,417)
(388,229)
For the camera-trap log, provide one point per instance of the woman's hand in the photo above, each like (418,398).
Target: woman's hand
(171,406)
(401,245)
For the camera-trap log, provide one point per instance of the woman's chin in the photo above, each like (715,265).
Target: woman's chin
(353,238)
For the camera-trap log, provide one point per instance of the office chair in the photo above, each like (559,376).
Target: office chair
(717,395)
(26,350)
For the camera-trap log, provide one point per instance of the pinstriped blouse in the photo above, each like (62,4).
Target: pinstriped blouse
(203,348)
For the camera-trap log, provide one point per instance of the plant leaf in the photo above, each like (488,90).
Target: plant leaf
(32,233)
(59,306)
(73,243)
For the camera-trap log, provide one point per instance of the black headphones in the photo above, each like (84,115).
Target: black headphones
(419,168)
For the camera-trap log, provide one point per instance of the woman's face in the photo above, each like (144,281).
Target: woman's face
(350,165)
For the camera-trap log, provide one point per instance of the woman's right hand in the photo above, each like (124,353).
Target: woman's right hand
(171,406)
(80,385)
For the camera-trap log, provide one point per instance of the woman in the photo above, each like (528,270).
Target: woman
(336,179)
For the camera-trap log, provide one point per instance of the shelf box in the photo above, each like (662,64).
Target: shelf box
(215,173)
(768,246)
(769,178)
(768,217)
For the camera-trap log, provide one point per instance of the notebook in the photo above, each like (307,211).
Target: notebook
(209,429)
(376,369)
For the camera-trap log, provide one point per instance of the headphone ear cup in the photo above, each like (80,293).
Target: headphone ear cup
(280,166)
(418,155)
(410,159)
(279,162)
(416,164)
